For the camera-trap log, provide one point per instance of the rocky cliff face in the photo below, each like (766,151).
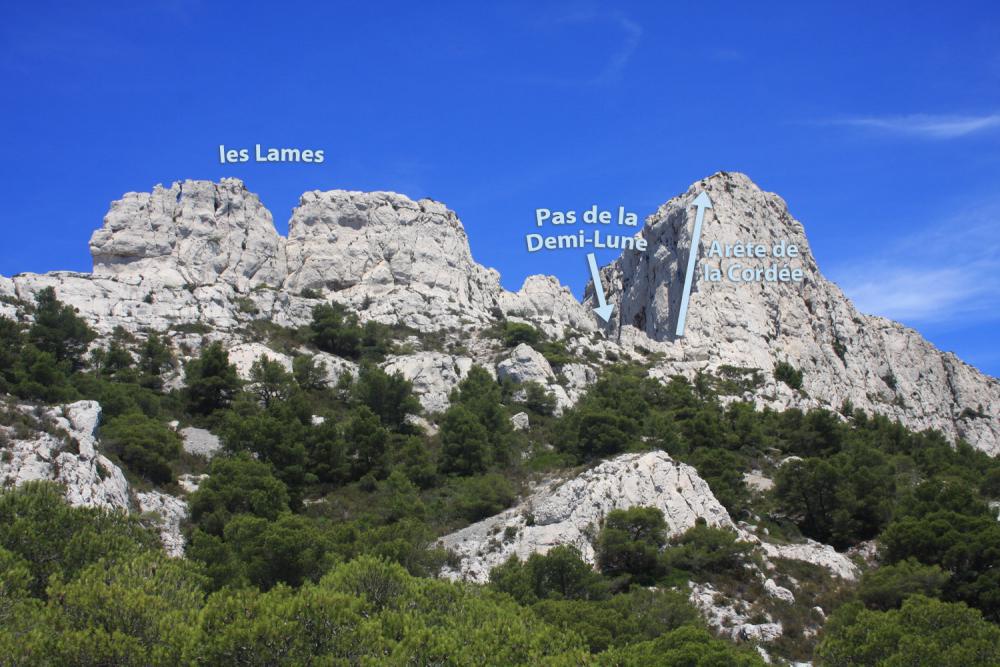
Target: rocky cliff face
(397,259)
(60,444)
(878,365)
(207,254)
(195,232)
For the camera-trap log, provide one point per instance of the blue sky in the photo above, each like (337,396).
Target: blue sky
(879,123)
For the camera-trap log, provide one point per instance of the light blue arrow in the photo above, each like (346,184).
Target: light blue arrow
(603,309)
(702,202)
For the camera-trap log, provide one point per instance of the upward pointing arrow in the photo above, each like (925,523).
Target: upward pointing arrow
(603,309)
(702,202)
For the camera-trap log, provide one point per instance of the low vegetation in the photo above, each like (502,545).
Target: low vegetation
(312,541)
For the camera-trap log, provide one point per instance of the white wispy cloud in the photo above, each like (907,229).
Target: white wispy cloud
(613,69)
(926,126)
(945,272)
(614,66)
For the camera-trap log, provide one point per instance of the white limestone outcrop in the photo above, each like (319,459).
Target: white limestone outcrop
(399,260)
(730,618)
(65,450)
(433,374)
(816,553)
(90,479)
(571,512)
(195,232)
(199,441)
(201,257)
(546,303)
(167,513)
(878,365)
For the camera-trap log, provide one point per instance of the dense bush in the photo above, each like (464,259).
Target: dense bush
(388,396)
(785,372)
(57,330)
(630,542)
(704,553)
(559,574)
(210,380)
(147,446)
(923,632)
(48,537)
(886,587)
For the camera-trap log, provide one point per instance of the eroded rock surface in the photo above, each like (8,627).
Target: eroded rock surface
(63,448)
(68,456)
(195,232)
(878,365)
(571,512)
(204,254)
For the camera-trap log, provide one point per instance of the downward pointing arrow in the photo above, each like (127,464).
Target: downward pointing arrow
(603,309)
(702,202)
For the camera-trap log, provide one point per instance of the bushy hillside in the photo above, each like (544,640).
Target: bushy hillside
(314,535)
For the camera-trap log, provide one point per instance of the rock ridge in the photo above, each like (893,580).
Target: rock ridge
(872,363)
(206,255)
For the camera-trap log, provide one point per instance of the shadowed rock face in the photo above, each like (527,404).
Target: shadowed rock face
(878,365)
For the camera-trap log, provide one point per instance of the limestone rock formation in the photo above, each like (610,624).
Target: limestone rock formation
(728,618)
(520,422)
(199,441)
(244,355)
(546,303)
(878,365)
(433,374)
(571,512)
(63,449)
(195,232)
(206,254)
(167,513)
(525,365)
(399,260)
(816,553)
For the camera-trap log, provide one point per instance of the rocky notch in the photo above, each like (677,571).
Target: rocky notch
(878,365)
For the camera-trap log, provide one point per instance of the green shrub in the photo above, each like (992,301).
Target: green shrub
(211,381)
(145,445)
(475,498)
(922,632)
(629,544)
(791,376)
(705,552)
(886,587)
(335,330)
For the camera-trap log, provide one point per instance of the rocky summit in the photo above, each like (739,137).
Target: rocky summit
(875,364)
